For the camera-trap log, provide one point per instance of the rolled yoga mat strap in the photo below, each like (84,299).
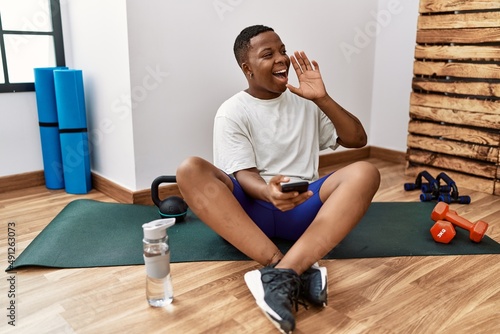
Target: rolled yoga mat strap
(49,127)
(71,111)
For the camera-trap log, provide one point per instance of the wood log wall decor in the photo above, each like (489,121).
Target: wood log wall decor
(454,122)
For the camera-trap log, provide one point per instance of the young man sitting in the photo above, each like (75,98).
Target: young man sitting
(265,136)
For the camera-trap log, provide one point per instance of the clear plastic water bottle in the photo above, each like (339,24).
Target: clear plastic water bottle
(159,290)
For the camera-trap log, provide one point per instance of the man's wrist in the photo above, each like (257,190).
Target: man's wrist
(322,102)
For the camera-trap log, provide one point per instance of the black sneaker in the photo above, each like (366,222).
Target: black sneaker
(315,285)
(276,291)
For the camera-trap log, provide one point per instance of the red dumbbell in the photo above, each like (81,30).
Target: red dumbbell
(443,231)
(476,230)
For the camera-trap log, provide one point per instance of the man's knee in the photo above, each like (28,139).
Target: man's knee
(199,173)
(369,170)
(367,174)
(190,167)
(361,174)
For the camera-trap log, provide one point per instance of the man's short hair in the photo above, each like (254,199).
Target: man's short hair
(242,42)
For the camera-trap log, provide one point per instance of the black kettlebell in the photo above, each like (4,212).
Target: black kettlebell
(170,207)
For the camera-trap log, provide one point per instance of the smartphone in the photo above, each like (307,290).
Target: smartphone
(300,187)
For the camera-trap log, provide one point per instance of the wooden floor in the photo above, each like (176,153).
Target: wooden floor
(434,294)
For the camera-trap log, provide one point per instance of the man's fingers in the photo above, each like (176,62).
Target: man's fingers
(296,65)
(303,61)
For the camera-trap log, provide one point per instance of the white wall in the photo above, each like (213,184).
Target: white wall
(97,43)
(156,71)
(393,74)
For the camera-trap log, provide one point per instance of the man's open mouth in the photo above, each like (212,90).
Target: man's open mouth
(281,74)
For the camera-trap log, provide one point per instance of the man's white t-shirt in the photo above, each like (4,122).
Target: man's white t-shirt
(278,136)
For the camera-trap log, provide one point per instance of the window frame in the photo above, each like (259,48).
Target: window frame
(57,35)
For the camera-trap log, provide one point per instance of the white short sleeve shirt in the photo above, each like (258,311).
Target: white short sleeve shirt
(277,136)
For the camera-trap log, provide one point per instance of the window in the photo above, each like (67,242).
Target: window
(30,37)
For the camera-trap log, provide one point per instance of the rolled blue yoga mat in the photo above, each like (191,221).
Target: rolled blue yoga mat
(49,128)
(75,151)
(70,99)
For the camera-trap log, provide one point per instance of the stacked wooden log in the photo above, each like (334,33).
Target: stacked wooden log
(455,104)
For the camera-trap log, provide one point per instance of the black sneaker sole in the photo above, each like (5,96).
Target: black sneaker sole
(254,284)
(323,300)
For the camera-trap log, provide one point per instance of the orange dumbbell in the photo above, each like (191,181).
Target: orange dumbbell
(476,230)
(443,231)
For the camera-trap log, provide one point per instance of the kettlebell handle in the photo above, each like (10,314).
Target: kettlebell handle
(155,187)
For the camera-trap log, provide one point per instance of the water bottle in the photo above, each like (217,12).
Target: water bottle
(159,291)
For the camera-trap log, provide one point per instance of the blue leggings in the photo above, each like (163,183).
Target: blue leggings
(275,223)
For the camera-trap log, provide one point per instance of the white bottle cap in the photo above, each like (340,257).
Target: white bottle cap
(157,229)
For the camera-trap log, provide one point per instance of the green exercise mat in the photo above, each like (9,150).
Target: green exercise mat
(88,233)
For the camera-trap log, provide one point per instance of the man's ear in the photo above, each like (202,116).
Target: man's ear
(246,69)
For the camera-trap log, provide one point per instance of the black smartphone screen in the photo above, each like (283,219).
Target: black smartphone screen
(300,187)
